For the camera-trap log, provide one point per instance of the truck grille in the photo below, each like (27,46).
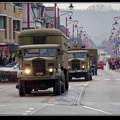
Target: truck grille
(38,66)
(75,64)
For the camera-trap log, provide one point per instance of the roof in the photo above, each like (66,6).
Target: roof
(35,46)
(40,32)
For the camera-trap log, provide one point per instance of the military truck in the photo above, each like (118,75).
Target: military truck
(93,59)
(79,64)
(43,61)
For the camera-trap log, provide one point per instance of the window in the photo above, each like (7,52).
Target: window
(4,6)
(1,22)
(31,52)
(39,40)
(16,25)
(48,52)
(9,27)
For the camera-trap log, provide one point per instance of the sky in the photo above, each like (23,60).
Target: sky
(83,5)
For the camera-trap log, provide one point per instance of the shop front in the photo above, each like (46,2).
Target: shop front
(6,48)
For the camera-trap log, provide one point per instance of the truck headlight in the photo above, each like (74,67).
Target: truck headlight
(27,71)
(68,67)
(50,70)
(83,66)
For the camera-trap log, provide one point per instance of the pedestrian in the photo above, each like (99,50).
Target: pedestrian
(113,63)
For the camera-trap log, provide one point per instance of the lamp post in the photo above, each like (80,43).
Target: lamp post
(71,6)
(84,40)
(28,15)
(70,13)
(81,31)
(71,21)
(116,19)
(55,5)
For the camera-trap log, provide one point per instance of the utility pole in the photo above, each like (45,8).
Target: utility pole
(28,15)
(55,5)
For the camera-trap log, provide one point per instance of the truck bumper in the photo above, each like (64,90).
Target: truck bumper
(77,74)
(39,78)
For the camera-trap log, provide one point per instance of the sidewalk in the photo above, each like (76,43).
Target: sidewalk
(117,70)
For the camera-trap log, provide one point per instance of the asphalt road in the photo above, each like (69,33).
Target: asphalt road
(97,97)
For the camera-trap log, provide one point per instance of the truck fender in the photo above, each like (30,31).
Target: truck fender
(20,73)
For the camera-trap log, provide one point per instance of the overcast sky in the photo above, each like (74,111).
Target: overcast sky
(82,5)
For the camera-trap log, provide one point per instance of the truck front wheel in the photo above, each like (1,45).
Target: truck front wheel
(57,87)
(90,76)
(66,81)
(22,88)
(87,76)
(63,84)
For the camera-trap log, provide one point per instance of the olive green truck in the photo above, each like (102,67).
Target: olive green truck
(82,62)
(43,62)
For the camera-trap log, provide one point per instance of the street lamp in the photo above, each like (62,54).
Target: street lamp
(55,5)
(79,29)
(70,13)
(71,21)
(28,15)
(71,6)
(84,40)
(116,19)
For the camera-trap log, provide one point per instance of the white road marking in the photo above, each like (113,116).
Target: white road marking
(31,108)
(97,110)
(107,79)
(117,79)
(28,111)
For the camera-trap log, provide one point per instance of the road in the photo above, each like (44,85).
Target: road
(97,97)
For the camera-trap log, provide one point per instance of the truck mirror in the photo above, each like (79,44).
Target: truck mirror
(58,51)
(87,55)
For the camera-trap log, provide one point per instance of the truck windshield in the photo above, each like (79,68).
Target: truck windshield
(46,52)
(77,55)
(31,52)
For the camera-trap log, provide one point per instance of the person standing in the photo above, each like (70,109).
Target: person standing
(113,63)
(10,58)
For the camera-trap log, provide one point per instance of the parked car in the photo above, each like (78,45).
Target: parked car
(13,66)
(100,65)
(9,72)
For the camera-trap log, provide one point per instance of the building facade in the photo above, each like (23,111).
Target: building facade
(10,25)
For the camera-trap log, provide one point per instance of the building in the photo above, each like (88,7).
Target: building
(10,25)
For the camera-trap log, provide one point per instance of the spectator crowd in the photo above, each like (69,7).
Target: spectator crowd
(4,60)
(114,63)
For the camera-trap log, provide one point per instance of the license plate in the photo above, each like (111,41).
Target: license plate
(40,73)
